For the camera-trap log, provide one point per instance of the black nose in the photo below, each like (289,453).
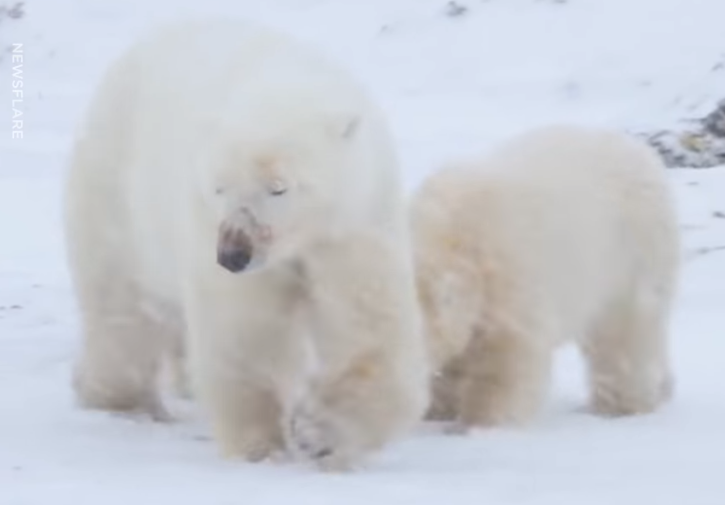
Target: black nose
(234,260)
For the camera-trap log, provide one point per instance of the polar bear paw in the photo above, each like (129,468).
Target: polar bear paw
(118,394)
(316,434)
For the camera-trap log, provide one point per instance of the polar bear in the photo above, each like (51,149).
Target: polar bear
(233,187)
(564,234)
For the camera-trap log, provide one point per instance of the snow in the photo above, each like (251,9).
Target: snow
(452,86)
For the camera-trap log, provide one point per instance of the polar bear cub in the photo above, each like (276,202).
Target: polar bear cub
(233,187)
(564,234)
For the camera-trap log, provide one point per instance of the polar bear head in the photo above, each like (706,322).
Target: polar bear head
(276,190)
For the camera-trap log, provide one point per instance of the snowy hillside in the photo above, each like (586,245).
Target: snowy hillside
(452,85)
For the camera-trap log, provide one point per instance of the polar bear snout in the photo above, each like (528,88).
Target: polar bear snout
(234,260)
(235,249)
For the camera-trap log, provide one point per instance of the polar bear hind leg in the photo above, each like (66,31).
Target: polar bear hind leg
(627,356)
(122,342)
(121,353)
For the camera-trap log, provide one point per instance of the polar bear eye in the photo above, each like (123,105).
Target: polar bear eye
(277,188)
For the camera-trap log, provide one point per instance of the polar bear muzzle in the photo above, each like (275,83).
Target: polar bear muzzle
(234,249)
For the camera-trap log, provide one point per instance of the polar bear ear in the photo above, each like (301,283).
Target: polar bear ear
(344,126)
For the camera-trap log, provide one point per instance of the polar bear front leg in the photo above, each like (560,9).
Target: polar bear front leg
(241,358)
(244,415)
(340,422)
(506,373)
(372,378)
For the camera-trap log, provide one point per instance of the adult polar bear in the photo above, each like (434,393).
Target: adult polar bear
(233,185)
(562,234)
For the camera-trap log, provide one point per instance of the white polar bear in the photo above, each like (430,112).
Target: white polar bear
(562,234)
(236,187)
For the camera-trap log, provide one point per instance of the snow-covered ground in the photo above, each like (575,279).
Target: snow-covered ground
(452,85)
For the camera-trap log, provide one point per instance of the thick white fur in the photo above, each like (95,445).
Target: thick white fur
(316,347)
(564,234)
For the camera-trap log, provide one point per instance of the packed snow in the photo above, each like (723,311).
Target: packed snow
(452,85)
